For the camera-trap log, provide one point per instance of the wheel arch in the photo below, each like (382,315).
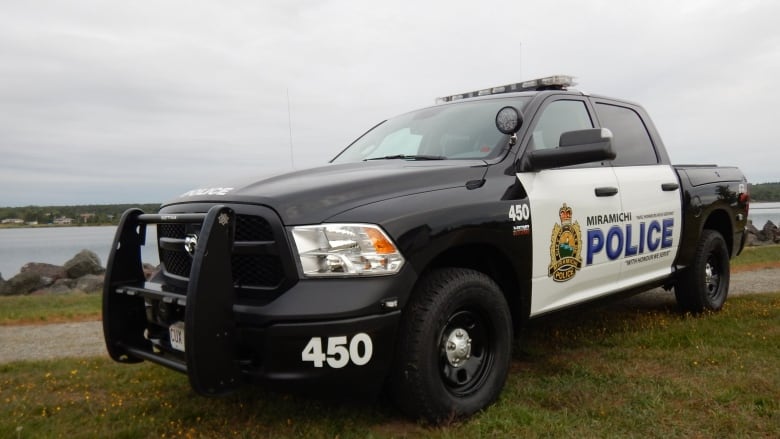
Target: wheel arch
(719,221)
(494,263)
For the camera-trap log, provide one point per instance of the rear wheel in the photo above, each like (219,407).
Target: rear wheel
(704,285)
(454,346)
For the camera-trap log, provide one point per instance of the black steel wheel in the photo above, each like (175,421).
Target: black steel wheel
(454,346)
(704,285)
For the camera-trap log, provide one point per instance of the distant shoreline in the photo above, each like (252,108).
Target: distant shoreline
(37,226)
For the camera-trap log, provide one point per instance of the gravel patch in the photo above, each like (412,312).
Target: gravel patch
(85,339)
(44,342)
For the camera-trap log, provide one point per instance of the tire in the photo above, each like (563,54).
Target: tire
(454,346)
(704,285)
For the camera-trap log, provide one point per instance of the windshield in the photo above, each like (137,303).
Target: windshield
(462,130)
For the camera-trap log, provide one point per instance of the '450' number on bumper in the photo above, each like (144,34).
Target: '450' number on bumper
(338,353)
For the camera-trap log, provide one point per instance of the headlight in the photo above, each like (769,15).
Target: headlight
(346,250)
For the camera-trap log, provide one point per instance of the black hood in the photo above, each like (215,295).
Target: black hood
(311,196)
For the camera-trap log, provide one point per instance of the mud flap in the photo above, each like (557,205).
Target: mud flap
(124,317)
(209,324)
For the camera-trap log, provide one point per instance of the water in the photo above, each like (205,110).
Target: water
(760,213)
(55,245)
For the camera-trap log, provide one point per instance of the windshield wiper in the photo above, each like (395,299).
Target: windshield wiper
(408,157)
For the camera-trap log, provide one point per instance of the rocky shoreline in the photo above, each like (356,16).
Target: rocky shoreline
(85,273)
(769,234)
(82,273)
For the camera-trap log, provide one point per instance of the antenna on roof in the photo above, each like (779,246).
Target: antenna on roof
(289,125)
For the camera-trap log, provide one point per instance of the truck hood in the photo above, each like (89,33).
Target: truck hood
(311,196)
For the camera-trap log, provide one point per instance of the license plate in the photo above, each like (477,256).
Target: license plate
(176,332)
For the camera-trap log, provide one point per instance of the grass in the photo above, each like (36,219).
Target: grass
(606,372)
(754,258)
(609,372)
(21,310)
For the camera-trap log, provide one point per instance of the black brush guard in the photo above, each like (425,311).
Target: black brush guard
(210,331)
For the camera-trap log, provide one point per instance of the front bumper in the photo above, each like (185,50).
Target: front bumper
(318,335)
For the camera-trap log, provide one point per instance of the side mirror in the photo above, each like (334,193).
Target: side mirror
(574,148)
(592,136)
(508,120)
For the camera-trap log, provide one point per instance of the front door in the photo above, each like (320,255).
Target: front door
(563,203)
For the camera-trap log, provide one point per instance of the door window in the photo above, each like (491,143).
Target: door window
(559,117)
(630,138)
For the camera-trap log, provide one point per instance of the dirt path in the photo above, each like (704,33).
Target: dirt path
(84,339)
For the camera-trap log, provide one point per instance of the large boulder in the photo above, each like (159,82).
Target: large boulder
(50,273)
(91,283)
(768,231)
(22,283)
(60,286)
(85,262)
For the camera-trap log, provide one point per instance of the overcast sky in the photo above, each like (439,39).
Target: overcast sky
(130,102)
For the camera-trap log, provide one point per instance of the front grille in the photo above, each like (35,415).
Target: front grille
(176,262)
(253,228)
(257,273)
(256,270)
(171,230)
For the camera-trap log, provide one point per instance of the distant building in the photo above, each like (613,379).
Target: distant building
(86,217)
(61,220)
(13,221)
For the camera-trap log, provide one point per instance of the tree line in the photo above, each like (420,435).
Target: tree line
(765,192)
(90,214)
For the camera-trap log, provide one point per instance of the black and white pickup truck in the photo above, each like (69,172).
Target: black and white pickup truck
(408,262)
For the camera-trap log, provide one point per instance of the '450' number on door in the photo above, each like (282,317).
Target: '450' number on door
(338,352)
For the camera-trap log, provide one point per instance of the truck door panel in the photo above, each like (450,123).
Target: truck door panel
(561,200)
(645,239)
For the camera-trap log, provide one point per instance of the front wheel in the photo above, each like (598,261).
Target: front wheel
(704,285)
(454,346)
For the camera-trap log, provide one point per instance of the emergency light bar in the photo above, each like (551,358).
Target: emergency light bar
(557,82)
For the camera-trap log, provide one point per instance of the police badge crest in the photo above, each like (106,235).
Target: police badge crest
(565,247)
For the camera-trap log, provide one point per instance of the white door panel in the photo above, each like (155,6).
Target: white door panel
(652,235)
(562,202)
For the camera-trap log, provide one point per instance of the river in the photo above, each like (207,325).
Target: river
(55,245)
(760,213)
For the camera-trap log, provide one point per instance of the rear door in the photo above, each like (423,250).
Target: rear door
(562,202)
(645,239)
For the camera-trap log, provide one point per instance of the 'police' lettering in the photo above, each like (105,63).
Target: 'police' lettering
(620,240)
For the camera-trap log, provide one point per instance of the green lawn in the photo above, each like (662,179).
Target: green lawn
(599,372)
(605,372)
(16,310)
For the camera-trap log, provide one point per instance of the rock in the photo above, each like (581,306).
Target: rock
(150,270)
(84,263)
(52,272)
(91,283)
(60,286)
(768,231)
(49,273)
(769,234)
(23,283)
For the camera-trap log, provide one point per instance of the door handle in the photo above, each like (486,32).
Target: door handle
(668,187)
(607,191)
